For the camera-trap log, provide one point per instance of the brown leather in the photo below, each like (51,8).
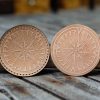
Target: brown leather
(24,50)
(75,50)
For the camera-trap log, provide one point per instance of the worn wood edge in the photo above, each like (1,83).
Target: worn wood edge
(19,89)
(63,85)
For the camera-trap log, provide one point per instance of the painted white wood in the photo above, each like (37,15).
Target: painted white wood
(69,87)
(95,77)
(22,90)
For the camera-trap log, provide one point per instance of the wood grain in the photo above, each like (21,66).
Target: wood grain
(18,89)
(64,85)
(50,83)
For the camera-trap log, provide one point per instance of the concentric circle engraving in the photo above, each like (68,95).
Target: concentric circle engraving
(75,50)
(24,50)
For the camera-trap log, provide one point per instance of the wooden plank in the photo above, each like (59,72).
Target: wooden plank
(18,90)
(94,75)
(3,97)
(51,84)
(66,86)
(5,94)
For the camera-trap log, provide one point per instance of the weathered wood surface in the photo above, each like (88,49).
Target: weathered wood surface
(66,86)
(18,89)
(51,84)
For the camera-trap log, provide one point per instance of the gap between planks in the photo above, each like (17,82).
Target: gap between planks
(51,83)
(19,89)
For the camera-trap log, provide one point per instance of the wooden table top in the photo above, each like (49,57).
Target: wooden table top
(51,84)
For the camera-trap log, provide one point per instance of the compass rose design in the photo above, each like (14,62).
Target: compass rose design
(75,49)
(24,50)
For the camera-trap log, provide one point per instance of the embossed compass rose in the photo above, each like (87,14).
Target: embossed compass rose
(75,50)
(24,50)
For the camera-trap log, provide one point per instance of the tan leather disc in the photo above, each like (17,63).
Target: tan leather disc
(24,50)
(75,50)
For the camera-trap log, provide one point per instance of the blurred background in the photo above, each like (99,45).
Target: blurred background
(49,15)
(44,6)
